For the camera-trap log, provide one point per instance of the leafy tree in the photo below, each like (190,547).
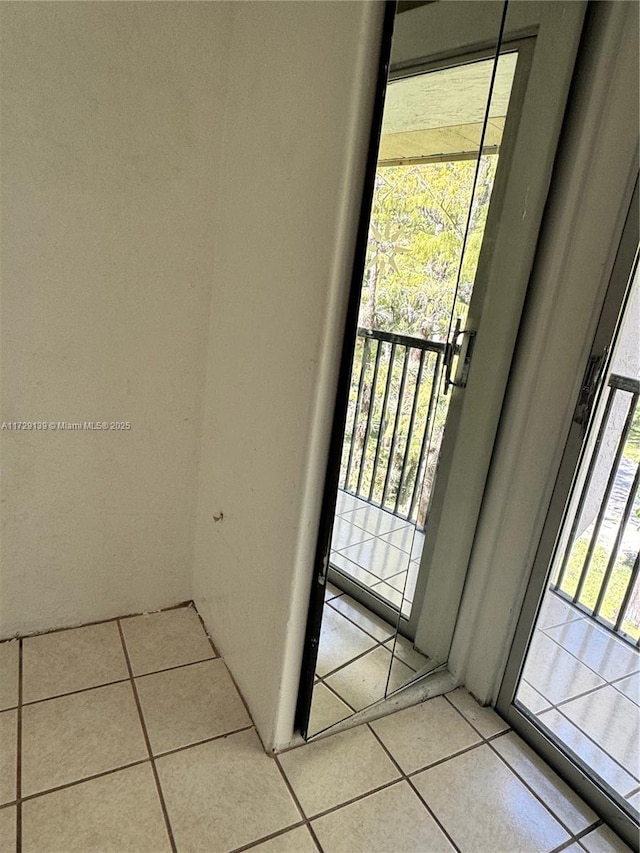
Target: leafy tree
(416,239)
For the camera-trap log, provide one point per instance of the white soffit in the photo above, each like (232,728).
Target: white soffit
(439,114)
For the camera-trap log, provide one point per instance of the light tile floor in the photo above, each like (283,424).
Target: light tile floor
(360,661)
(583,684)
(581,681)
(139,741)
(377,549)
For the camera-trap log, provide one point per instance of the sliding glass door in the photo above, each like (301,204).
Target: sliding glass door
(572,685)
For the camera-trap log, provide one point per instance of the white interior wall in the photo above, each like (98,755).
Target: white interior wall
(293,154)
(589,200)
(180,191)
(110,147)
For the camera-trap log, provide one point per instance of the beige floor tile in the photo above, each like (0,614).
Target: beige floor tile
(530,698)
(389,593)
(223,794)
(485,807)
(634,800)
(160,640)
(364,681)
(378,557)
(331,591)
(8,829)
(295,841)
(76,736)
(630,687)
(612,721)
(8,751)
(406,538)
(485,720)
(340,640)
(192,703)
(117,813)
(603,840)
(9,654)
(403,650)
(424,734)
(326,709)
(63,661)
(555,673)
(345,534)
(351,569)
(388,821)
(376,521)
(555,611)
(556,794)
(597,647)
(331,771)
(363,618)
(590,753)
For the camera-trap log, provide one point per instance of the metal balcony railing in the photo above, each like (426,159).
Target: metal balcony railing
(388,456)
(600,567)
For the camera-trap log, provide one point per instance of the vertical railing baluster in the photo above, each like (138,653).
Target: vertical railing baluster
(409,431)
(383,421)
(627,595)
(367,432)
(585,489)
(604,502)
(426,438)
(356,416)
(626,515)
(395,425)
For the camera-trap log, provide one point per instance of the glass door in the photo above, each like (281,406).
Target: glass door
(573,680)
(439,151)
(458,184)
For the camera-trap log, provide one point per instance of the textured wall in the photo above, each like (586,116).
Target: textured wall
(111,125)
(295,142)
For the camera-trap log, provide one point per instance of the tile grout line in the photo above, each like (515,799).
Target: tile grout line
(19,752)
(204,628)
(145,733)
(37,794)
(349,619)
(405,777)
(356,799)
(204,741)
(468,722)
(112,683)
(297,803)
(251,845)
(537,796)
(589,738)
(181,604)
(113,770)
(571,654)
(489,742)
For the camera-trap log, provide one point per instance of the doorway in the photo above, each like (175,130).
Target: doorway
(456,375)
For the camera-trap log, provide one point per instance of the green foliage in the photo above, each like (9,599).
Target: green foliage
(616,587)
(416,236)
(632,447)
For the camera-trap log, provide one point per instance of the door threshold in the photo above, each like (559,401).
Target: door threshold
(434,683)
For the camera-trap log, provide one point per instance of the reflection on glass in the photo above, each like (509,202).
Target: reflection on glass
(581,678)
(427,223)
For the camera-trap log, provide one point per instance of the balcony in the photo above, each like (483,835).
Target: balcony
(582,676)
